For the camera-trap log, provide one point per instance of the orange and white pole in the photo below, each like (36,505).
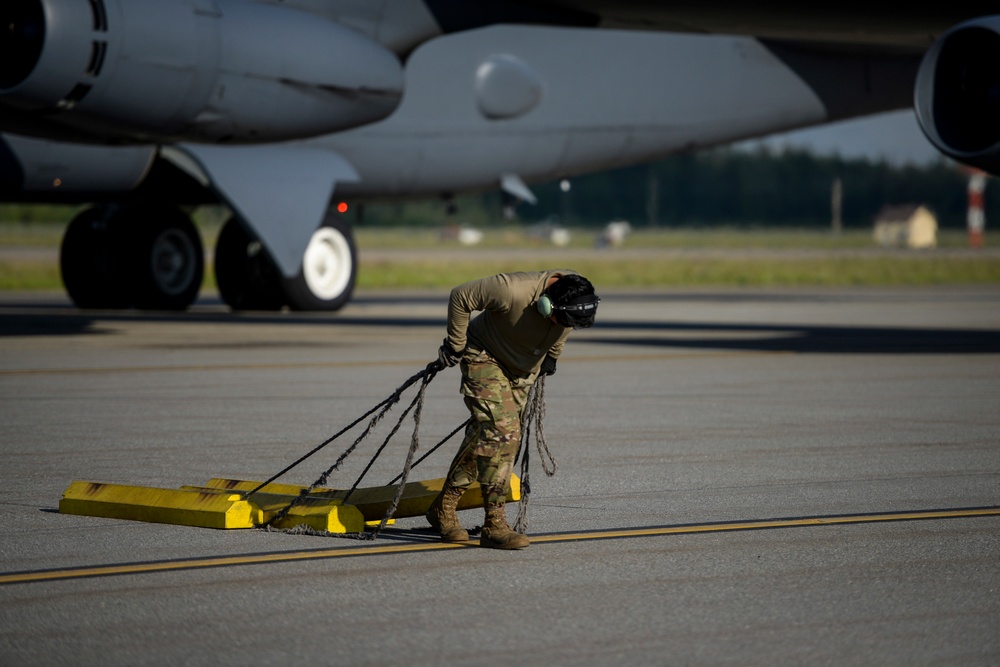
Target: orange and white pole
(976,218)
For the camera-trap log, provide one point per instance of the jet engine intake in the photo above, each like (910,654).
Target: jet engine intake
(957,95)
(191,70)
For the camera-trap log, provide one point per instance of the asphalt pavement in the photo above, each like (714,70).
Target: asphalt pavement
(751,477)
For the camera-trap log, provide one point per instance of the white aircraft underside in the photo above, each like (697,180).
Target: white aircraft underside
(144,106)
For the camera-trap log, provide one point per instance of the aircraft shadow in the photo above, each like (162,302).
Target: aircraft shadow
(805,339)
(48,320)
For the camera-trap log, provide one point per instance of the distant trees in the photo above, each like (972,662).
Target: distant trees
(791,188)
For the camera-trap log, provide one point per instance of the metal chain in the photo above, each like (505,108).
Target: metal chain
(407,466)
(533,418)
(431,369)
(533,423)
(427,374)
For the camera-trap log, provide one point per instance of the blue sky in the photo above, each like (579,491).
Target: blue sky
(894,136)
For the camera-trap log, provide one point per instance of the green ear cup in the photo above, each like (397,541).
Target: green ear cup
(544,305)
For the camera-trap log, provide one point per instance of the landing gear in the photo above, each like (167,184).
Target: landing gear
(329,269)
(245,274)
(168,262)
(248,278)
(91,265)
(151,257)
(139,255)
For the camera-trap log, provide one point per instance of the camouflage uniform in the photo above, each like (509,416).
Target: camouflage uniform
(504,348)
(502,352)
(492,439)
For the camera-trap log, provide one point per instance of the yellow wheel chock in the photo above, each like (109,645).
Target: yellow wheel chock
(221,503)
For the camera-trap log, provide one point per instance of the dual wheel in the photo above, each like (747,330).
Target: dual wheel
(248,278)
(151,257)
(132,255)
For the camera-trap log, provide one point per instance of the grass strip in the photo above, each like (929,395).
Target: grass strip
(699,272)
(395,259)
(921,270)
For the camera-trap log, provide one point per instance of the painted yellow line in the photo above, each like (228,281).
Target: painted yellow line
(318,554)
(775,523)
(219,561)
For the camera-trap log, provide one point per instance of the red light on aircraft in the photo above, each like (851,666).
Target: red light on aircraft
(342,207)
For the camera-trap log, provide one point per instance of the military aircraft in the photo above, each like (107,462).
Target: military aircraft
(276,108)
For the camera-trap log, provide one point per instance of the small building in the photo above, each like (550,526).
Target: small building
(906,226)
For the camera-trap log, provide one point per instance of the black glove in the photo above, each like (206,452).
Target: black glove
(448,357)
(548,366)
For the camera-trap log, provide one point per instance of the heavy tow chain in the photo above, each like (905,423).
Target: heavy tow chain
(534,415)
(380,410)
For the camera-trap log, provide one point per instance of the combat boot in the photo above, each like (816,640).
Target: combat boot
(496,533)
(442,515)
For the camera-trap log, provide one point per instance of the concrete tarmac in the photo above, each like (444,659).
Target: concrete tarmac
(690,413)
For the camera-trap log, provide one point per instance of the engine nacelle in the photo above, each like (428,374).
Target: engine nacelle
(957,96)
(194,70)
(31,166)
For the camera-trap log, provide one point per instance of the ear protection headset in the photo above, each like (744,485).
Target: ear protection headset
(544,305)
(546,308)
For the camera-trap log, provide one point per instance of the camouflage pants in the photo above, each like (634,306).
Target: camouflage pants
(494,435)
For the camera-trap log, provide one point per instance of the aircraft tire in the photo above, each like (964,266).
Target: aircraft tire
(91,260)
(166,257)
(329,269)
(246,276)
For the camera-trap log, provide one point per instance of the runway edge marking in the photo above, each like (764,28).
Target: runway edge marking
(322,554)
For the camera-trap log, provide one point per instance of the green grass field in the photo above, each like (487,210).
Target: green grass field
(419,258)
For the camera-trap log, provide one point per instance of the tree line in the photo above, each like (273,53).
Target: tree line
(762,187)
